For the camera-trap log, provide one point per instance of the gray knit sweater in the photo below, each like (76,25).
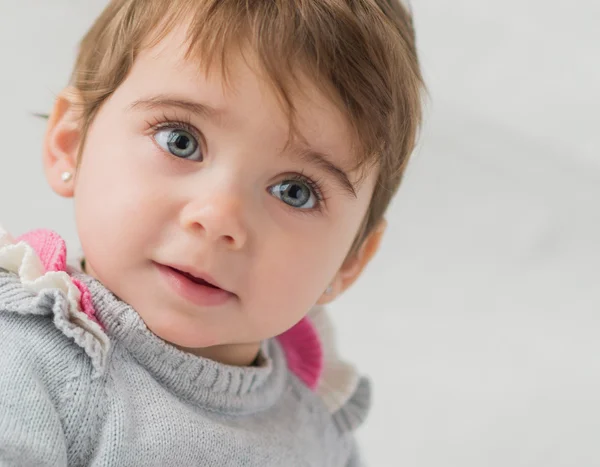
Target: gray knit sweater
(145,403)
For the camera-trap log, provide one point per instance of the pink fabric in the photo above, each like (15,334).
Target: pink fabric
(304,352)
(50,248)
(52,251)
(301,344)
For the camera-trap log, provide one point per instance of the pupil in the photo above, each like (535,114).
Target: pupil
(182,142)
(294,191)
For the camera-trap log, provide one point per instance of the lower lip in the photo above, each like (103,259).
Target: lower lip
(201,295)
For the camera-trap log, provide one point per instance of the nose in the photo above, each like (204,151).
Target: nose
(218,218)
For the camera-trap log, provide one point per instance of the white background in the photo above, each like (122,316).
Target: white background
(478,321)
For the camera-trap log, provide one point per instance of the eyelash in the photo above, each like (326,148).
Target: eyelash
(165,122)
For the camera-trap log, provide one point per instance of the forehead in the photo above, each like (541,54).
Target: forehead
(241,93)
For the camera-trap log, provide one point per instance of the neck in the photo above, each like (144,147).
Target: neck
(234,355)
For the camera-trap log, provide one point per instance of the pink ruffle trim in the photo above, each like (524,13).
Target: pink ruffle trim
(52,251)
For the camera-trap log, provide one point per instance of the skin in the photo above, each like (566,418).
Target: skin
(217,210)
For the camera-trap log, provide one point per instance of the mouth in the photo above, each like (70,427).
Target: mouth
(194,279)
(196,287)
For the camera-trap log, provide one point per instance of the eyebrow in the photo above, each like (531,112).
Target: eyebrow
(161,101)
(323,162)
(315,158)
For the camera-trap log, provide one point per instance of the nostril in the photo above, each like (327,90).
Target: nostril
(215,225)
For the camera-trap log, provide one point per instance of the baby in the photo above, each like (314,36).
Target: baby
(231,163)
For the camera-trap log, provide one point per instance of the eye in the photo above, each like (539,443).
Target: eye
(179,142)
(297,193)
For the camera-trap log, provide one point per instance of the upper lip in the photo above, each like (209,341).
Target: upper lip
(197,274)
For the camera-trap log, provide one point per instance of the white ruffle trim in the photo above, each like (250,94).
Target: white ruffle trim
(339,380)
(22,260)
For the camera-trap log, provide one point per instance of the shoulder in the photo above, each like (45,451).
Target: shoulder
(50,388)
(35,287)
(327,406)
(310,431)
(341,387)
(30,340)
(346,412)
(312,357)
(42,366)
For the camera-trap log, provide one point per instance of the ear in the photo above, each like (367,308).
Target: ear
(354,266)
(61,142)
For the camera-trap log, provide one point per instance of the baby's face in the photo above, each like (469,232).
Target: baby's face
(181,173)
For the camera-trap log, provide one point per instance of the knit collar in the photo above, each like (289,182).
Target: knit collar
(200,381)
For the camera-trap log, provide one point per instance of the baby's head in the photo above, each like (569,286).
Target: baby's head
(253,144)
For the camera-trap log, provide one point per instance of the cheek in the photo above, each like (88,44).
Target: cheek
(117,210)
(295,271)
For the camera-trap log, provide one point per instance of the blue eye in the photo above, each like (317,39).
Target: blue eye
(296,194)
(179,142)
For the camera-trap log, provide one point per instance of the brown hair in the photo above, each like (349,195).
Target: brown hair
(363,51)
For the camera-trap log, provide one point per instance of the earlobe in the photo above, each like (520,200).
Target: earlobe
(353,267)
(61,143)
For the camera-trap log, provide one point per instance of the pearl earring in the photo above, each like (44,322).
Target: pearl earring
(66,176)
(329,290)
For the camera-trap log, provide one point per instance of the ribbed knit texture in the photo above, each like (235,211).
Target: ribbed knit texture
(149,404)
